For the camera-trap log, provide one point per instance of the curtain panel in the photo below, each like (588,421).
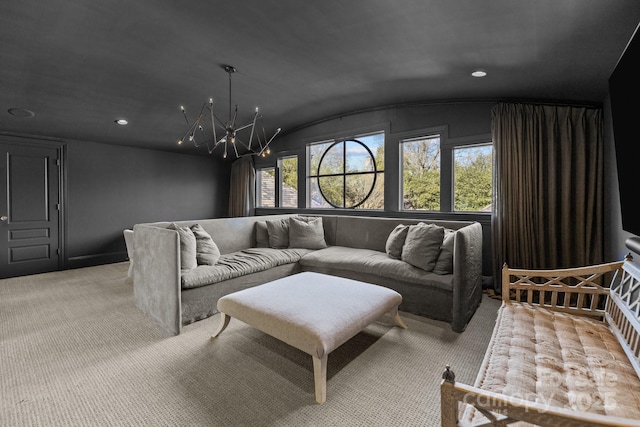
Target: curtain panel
(242,188)
(548,186)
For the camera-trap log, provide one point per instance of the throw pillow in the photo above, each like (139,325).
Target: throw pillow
(444,263)
(278,230)
(306,233)
(262,235)
(188,259)
(422,245)
(207,252)
(395,241)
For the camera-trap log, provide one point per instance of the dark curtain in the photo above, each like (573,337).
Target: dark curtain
(242,188)
(548,186)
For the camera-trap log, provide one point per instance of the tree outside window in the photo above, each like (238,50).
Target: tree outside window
(421,173)
(473,174)
(288,172)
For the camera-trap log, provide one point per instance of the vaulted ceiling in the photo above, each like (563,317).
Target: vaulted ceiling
(80,65)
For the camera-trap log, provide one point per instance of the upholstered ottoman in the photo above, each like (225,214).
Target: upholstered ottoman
(313,312)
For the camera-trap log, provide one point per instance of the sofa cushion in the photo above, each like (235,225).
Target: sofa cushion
(238,264)
(306,233)
(395,241)
(341,258)
(262,234)
(207,252)
(278,230)
(188,258)
(422,245)
(444,263)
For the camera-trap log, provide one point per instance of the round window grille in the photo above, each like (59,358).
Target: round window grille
(344,180)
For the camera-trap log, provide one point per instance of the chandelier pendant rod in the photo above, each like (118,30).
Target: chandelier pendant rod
(231,70)
(213,127)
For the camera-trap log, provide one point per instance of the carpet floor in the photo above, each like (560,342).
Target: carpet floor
(75,351)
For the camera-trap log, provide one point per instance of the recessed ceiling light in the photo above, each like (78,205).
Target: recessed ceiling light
(122,122)
(21,112)
(479,73)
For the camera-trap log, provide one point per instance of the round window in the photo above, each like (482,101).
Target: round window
(347,174)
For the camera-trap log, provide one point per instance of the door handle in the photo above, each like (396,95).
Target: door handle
(4,218)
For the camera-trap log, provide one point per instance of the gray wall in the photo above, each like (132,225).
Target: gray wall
(464,121)
(615,236)
(110,188)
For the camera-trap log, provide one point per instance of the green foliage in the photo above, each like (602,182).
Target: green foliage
(289,166)
(473,184)
(421,174)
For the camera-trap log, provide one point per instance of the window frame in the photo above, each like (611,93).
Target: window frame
(453,170)
(447,166)
(344,137)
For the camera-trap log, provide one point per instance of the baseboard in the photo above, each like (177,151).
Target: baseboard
(96,259)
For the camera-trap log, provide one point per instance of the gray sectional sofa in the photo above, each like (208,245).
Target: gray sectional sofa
(354,247)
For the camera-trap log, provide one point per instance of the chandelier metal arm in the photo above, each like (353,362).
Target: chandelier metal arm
(230,129)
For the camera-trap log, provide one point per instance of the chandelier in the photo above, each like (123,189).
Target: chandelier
(203,130)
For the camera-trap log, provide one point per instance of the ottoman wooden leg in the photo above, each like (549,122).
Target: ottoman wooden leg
(224,322)
(396,318)
(320,378)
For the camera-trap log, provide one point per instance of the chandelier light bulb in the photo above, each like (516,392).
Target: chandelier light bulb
(179,142)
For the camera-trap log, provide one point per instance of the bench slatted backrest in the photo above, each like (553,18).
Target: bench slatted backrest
(623,311)
(583,290)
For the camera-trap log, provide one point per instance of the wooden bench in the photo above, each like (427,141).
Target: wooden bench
(565,350)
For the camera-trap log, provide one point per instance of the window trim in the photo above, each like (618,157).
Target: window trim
(447,146)
(445,196)
(469,143)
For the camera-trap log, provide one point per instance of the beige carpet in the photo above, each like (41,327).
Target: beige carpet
(75,351)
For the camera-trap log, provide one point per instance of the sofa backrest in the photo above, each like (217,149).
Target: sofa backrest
(234,234)
(229,234)
(371,232)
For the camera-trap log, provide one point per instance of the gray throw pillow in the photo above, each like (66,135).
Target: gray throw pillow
(262,235)
(207,252)
(188,259)
(395,241)
(444,263)
(306,233)
(278,230)
(422,245)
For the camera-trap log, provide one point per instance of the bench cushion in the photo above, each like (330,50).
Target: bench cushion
(238,264)
(563,360)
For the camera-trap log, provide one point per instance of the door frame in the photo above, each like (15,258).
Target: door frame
(9,138)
